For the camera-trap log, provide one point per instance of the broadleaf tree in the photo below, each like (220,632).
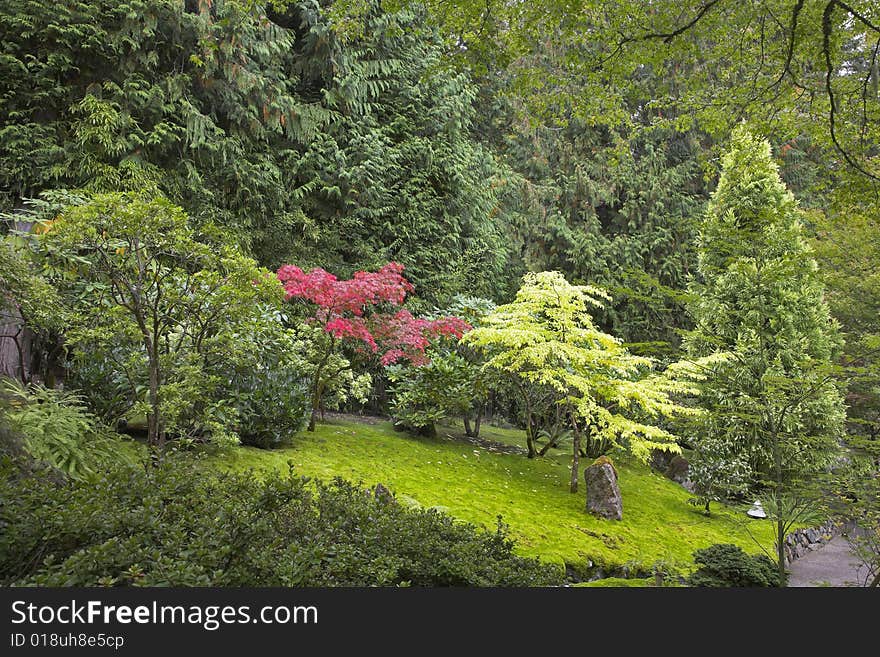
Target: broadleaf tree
(147,291)
(547,338)
(364,313)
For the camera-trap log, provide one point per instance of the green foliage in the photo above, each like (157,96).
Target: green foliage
(726,565)
(264,380)
(800,67)
(57,430)
(173,525)
(23,288)
(159,304)
(322,363)
(31,311)
(616,209)
(343,154)
(547,339)
(847,246)
(719,469)
(397,175)
(773,410)
(453,384)
(423,396)
(152,93)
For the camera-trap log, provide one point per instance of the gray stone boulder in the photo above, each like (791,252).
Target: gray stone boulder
(603,493)
(678,469)
(672,466)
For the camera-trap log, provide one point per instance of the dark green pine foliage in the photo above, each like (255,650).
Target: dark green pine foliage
(312,150)
(397,174)
(617,211)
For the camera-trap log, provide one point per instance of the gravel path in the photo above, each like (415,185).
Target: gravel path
(834,564)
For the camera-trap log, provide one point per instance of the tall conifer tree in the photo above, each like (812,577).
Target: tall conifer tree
(774,413)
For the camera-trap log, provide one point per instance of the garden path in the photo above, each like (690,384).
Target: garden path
(834,564)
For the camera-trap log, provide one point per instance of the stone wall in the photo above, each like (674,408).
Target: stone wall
(801,541)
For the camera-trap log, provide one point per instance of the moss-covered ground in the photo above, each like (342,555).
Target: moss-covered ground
(478,484)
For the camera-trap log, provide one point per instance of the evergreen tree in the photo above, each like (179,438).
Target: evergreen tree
(397,174)
(336,153)
(774,412)
(617,208)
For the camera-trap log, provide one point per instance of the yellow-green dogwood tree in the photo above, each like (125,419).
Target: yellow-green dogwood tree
(547,338)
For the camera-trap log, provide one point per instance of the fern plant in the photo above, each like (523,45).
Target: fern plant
(57,429)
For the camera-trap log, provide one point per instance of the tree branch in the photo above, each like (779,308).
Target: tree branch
(669,36)
(829,74)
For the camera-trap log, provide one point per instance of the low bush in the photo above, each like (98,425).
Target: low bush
(727,565)
(173,525)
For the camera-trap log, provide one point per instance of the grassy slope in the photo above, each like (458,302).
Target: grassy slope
(615,582)
(477,485)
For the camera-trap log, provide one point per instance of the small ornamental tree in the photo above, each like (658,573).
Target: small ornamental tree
(363,313)
(547,338)
(160,301)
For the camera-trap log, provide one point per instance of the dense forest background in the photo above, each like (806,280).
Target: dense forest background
(456,141)
(475,144)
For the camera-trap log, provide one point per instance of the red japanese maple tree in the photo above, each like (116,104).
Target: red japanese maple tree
(365,312)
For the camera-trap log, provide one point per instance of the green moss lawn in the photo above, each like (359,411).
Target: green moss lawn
(477,485)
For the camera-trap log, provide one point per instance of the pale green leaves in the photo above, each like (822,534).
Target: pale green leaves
(547,338)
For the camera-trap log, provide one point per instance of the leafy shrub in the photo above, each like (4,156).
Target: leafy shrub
(109,391)
(173,525)
(56,428)
(264,381)
(271,407)
(425,395)
(726,565)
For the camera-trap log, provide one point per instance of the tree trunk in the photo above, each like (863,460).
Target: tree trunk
(316,398)
(14,346)
(15,336)
(780,549)
(155,435)
(467,427)
(546,448)
(478,418)
(530,441)
(575,455)
(875,582)
(780,520)
(317,388)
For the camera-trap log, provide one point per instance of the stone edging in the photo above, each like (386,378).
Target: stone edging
(801,541)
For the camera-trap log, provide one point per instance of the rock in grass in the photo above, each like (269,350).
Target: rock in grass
(603,493)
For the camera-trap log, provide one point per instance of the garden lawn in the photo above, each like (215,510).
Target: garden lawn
(477,485)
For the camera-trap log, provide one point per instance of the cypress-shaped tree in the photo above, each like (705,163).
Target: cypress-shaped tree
(774,413)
